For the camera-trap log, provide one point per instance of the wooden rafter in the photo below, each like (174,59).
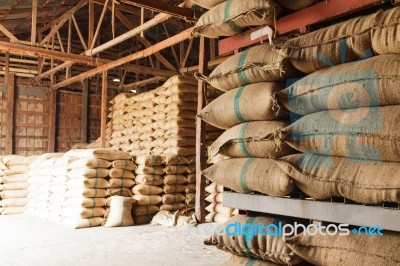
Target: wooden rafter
(138,55)
(8,34)
(84,45)
(96,34)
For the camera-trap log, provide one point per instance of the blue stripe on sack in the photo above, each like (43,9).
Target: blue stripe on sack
(231,24)
(242,61)
(242,143)
(249,221)
(243,174)
(236,104)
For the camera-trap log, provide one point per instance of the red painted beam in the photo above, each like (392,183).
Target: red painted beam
(175,11)
(299,21)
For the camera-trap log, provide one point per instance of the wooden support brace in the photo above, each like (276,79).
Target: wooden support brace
(10,114)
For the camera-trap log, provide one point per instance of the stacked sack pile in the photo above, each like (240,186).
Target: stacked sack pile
(217,212)
(14,183)
(41,175)
(161,121)
(87,186)
(149,187)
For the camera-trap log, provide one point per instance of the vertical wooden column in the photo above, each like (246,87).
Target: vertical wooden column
(34,19)
(200,136)
(85,104)
(10,113)
(52,120)
(104,88)
(91,23)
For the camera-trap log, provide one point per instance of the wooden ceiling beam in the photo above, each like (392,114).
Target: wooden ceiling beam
(166,8)
(184,35)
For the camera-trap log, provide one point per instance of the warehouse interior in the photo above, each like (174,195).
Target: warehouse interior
(200,132)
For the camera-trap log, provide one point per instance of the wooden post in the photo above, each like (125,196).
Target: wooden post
(91,23)
(52,121)
(69,47)
(200,136)
(34,19)
(85,104)
(10,113)
(104,109)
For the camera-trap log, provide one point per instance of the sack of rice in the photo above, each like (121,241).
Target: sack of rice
(352,249)
(257,64)
(173,198)
(147,199)
(207,3)
(100,153)
(120,212)
(251,174)
(141,189)
(154,180)
(124,164)
(259,246)
(253,102)
(322,177)
(145,210)
(172,207)
(251,139)
(369,133)
(233,16)
(372,82)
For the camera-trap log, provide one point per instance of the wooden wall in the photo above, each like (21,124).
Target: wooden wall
(32,119)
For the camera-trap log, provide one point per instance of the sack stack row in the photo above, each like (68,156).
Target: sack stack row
(14,184)
(161,121)
(215,208)
(42,173)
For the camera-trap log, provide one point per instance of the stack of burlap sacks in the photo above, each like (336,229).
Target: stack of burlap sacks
(161,121)
(14,183)
(217,212)
(42,172)
(344,121)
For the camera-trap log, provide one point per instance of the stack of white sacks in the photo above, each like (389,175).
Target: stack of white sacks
(148,190)
(14,184)
(41,175)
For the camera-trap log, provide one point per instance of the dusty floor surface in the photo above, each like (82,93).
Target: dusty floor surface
(25,240)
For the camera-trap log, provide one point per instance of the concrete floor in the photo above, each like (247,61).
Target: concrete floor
(26,240)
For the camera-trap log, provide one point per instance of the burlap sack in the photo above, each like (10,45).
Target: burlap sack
(86,193)
(191,178)
(145,210)
(207,3)
(182,132)
(123,164)
(146,190)
(120,212)
(177,114)
(121,182)
(251,174)
(352,249)
(175,179)
(14,202)
(18,178)
(174,123)
(149,160)
(77,202)
(175,169)
(214,188)
(251,139)
(121,173)
(348,41)
(296,5)
(263,247)
(172,207)
(77,223)
(190,198)
(178,80)
(88,183)
(143,219)
(371,82)
(124,192)
(149,170)
(12,210)
(147,199)
(88,173)
(11,160)
(172,159)
(11,194)
(14,186)
(154,180)
(82,213)
(215,197)
(179,89)
(364,133)
(173,198)
(233,16)
(190,188)
(175,188)
(100,153)
(257,64)
(181,151)
(234,260)
(323,177)
(253,102)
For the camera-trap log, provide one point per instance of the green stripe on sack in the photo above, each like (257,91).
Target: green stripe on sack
(249,221)
(242,143)
(250,262)
(231,24)
(242,61)
(243,175)
(236,104)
